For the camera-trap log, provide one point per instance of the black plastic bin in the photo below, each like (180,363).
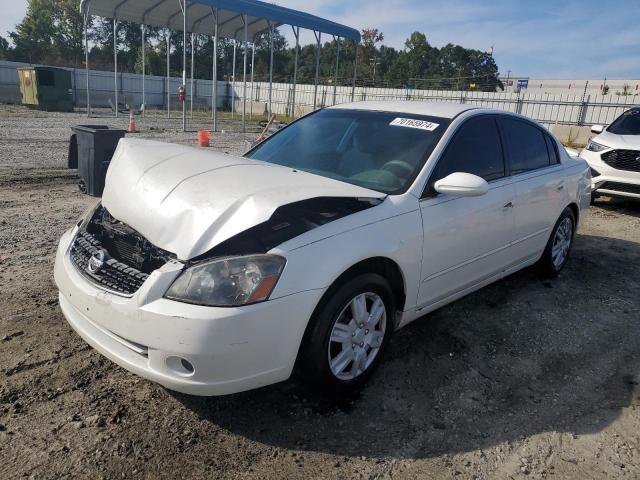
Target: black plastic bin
(90,150)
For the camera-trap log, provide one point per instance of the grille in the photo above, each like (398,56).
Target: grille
(126,252)
(113,275)
(628,160)
(620,187)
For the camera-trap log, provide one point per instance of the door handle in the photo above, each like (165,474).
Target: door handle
(560,187)
(508,205)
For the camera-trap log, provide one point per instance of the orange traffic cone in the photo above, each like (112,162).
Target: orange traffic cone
(132,123)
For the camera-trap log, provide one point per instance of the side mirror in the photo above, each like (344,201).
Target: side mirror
(462,184)
(597,129)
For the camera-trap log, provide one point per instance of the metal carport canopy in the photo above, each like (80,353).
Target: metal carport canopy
(167,13)
(219,18)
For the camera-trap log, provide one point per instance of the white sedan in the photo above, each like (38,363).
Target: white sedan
(614,156)
(212,274)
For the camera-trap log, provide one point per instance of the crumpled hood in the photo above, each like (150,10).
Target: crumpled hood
(187,200)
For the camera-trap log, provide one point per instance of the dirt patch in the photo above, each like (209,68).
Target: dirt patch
(527,378)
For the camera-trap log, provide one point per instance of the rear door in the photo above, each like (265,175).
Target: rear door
(533,161)
(466,239)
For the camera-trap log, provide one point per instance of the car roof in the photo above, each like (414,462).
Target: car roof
(434,109)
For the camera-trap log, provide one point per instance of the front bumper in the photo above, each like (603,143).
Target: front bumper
(230,349)
(628,182)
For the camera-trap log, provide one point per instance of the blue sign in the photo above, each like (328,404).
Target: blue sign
(523,83)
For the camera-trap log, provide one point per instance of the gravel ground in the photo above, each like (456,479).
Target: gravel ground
(526,378)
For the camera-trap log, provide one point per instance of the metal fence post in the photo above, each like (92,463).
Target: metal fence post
(318,36)
(582,119)
(86,19)
(355,71)
(583,106)
(519,103)
(115,63)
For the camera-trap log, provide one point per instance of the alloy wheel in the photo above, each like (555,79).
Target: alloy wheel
(562,242)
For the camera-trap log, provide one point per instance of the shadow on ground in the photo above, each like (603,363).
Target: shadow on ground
(517,358)
(619,205)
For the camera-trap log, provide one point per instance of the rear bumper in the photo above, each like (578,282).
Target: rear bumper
(230,349)
(610,181)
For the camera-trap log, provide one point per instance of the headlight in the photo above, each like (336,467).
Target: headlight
(596,147)
(228,282)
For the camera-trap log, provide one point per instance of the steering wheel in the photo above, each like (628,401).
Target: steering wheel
(399,168)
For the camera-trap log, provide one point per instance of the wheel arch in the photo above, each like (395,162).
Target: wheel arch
(383,266)
(576,212)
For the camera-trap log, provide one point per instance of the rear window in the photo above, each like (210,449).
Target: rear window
(526,146)
(553,150)
(626,124)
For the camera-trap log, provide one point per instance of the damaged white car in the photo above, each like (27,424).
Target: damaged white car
(212,274)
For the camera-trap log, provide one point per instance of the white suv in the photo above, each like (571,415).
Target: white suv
(614,156)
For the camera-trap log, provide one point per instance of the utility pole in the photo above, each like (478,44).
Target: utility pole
(508,75)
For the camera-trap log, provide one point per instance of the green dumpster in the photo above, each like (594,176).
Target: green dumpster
(48,88)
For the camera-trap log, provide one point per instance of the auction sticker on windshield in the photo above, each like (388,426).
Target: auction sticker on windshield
(413,123)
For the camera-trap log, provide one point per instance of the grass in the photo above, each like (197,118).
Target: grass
(571,141)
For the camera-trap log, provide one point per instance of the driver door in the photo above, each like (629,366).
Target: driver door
(467,239)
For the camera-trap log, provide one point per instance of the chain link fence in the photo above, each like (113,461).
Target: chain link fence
(548,109)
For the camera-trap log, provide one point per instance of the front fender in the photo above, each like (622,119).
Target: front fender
(317,265)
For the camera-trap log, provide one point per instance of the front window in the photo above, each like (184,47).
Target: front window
(475,149)
(626,124)
(383,151)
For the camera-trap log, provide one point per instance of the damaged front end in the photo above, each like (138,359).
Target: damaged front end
(288,222)
(240,271)
(113,255)
(116,257)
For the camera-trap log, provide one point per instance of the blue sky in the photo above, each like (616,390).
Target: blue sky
(574,39)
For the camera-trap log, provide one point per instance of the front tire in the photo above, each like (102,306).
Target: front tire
(347,335)
(558,249)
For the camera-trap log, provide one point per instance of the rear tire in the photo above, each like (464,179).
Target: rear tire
(558,249)
(347,335)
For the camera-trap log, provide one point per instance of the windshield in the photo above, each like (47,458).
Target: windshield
(382,151)
(626,124)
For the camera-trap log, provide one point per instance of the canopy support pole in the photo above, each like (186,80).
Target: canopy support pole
(270,70)
(253,61)
(233,81)
(86,56)
(168,74)
(335,76)
(355,71)
(143,70)
(183,5)
(296,33)
(318,36)
(214,76)
(192,61)
(244,74)
(115,62)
